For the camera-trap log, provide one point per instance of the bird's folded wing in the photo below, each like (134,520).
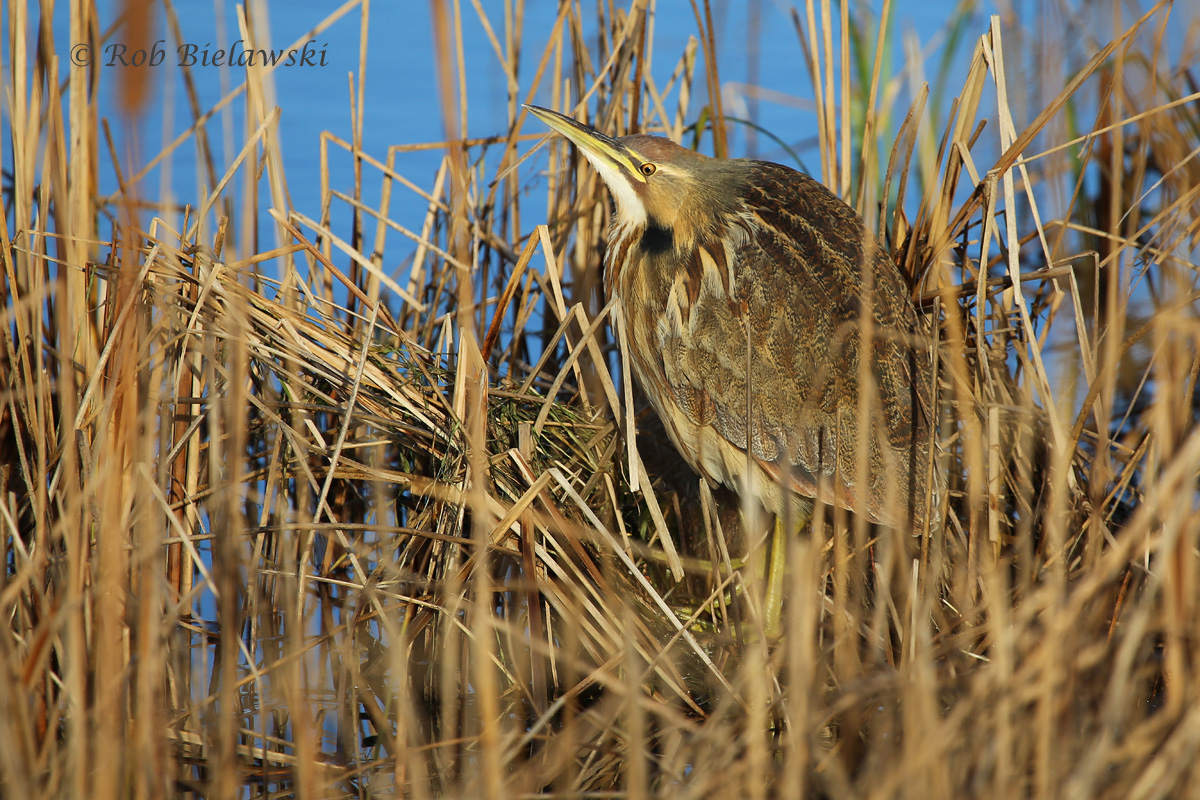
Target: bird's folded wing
(786,336)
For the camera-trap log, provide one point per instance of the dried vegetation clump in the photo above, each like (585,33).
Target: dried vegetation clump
(295,519)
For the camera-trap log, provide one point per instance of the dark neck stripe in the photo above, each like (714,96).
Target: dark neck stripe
(657,239)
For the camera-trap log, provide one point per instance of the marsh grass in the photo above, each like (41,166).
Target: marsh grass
(285,520)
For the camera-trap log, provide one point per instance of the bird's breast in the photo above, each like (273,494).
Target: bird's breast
(670,297)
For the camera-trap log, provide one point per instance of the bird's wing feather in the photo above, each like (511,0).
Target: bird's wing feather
(790,322)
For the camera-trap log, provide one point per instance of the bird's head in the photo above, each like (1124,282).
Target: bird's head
(655,182)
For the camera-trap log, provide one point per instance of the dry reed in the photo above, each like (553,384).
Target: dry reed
(274,522)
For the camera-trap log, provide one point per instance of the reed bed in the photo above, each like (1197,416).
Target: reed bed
(288,519)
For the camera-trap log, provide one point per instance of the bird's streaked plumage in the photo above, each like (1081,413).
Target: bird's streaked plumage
(747,281)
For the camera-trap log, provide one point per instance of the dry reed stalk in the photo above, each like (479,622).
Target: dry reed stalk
(274,521)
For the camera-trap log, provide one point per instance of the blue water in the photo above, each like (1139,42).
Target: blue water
(757,43)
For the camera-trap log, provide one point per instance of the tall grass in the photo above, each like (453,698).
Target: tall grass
(276,521)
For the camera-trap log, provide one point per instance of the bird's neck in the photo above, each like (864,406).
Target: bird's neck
(638,259)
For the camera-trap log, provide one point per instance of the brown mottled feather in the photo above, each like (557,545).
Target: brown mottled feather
(805,271)
(761,315)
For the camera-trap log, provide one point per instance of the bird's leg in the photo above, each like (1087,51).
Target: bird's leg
(773,597)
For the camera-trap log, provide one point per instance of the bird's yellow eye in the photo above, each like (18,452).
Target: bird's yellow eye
(649,169)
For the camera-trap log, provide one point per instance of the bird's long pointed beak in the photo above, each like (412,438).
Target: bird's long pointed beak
(600,149)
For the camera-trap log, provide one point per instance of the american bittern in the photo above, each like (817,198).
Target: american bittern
(751,296)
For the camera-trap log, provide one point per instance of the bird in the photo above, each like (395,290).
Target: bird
(769,329)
